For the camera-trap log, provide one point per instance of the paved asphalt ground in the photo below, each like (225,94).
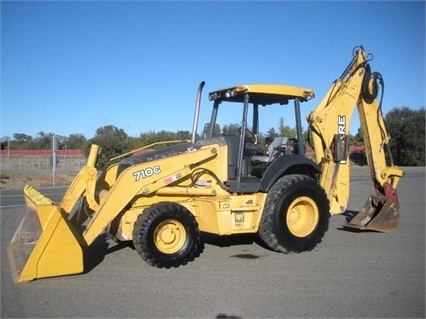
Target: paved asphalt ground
(349,274)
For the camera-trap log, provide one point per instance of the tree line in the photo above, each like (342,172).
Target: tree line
(405,126)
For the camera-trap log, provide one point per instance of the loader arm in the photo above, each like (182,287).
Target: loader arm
(135,182)
(84,182)
(329,124)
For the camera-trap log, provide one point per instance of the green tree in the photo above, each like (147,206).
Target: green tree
(271,134)
(113,142)
(74,142)
(358,139)
(151,137)
(183,135)
(4,143)
(407,130)
(43,141)
(286,130)
(21,141)
(231,129)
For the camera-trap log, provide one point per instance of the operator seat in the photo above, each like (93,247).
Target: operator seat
(259,163)
(277,145)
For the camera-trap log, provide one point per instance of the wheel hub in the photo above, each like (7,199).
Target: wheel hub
(169,236)
(302,217)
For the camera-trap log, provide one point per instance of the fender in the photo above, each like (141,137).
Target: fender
(278,168)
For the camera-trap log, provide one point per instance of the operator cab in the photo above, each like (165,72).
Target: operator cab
(246,168)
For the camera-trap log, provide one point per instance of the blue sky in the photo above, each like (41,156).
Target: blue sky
(73,67)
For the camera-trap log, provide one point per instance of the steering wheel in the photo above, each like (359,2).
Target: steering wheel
(249,137)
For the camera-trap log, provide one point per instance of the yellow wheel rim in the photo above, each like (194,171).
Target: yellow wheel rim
(169,236)
(302,216)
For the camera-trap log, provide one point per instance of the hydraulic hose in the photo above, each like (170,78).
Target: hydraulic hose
(370,95)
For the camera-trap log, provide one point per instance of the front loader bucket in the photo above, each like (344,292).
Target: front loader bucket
(45,243)
(380,213)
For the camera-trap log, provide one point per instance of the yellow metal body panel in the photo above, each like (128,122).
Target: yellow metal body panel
(222,215)
(263,93)
(84,182)
(231,214)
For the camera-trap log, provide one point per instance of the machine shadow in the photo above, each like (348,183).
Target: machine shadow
(232,240)
(349,215)
(96,252)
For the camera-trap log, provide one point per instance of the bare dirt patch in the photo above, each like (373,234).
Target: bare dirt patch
(17,180)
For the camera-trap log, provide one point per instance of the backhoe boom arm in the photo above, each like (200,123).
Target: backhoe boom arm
(329,124)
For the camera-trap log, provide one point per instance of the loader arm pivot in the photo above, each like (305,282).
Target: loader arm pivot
(329,124)
(85,181)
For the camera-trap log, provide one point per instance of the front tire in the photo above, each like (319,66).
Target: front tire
(296,214)
(166,235)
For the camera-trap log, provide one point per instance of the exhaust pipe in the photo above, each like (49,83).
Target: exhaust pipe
(197,111)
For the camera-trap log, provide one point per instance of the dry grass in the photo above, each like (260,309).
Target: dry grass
(17,180)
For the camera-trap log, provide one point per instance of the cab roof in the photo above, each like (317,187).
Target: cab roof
(263,94)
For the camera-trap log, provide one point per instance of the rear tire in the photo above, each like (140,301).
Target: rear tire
(166,235)
(296,214)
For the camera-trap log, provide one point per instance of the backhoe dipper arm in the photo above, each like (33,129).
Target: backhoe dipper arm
(376,141)
(329,124)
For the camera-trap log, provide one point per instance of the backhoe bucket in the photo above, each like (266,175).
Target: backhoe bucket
(45,243)
(380,213)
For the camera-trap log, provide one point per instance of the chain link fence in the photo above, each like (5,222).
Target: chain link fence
(42,164)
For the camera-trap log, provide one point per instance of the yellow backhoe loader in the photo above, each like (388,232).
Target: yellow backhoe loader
(163,199)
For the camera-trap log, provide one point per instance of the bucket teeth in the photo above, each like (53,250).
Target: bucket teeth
(35,197)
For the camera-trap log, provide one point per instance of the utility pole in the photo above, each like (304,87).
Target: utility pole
(54,148)
(8,153)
